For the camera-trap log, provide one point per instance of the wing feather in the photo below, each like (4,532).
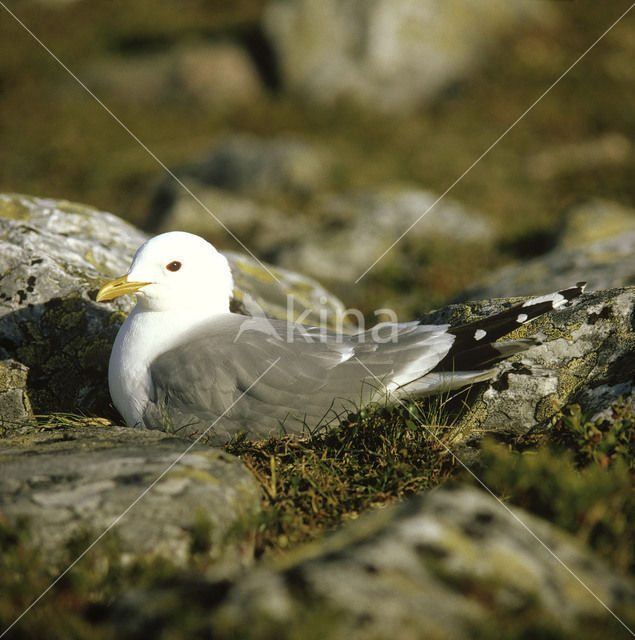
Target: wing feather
(208,378)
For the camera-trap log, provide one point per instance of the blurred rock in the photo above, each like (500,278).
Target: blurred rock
(363,225)
(71,481)
(261,227)
(389,55)
(596,221)
(609,149)
(54,256)
(597,245)
(251,166)
(216,76)
(451,563)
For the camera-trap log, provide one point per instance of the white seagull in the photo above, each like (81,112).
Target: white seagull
(183,362)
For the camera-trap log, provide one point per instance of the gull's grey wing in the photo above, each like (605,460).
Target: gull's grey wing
(211,379)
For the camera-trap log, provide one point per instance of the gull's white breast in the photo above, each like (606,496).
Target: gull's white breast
(143,336)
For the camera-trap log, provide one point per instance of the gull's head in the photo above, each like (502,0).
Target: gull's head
(175,271)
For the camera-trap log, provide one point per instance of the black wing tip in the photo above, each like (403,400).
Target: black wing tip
(541,304)
(475,345)
(573,292)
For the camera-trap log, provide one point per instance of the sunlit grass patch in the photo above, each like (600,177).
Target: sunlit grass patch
(316,483)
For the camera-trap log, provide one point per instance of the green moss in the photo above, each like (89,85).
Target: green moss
(309,621)
(63,612)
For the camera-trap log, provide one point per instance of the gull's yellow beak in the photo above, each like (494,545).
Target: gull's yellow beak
(118,287)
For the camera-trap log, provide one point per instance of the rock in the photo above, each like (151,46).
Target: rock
(261,227)
(78,480)
(588,357)
(449,562)
(237,180)
(14,401)
(281,293)
(362,225)
(217,77)
(387,55)
(597,221)
(54,255)
(607,150)
(251,166)
(596,245)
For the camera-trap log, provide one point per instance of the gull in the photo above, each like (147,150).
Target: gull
(184,363)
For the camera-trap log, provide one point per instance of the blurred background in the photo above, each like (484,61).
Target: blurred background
(319,132)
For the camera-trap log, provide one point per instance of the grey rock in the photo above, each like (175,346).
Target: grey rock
(596,244)
(262,227)
(54,256)
(362,225)
(77,480)
(257,167)
(587,357)
(606,150)
(281,293)
(216,77)
(388,55)
(440,565)
(14,400)
(596,221)
(237,182)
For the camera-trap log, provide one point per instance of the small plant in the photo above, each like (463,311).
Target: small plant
(604,440)
(594,503)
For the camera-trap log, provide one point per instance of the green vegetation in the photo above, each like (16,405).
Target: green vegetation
(581,481)
(576,479)
(605,440)
(316,483)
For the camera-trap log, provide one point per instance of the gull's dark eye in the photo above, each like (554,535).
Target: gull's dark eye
(173,266)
